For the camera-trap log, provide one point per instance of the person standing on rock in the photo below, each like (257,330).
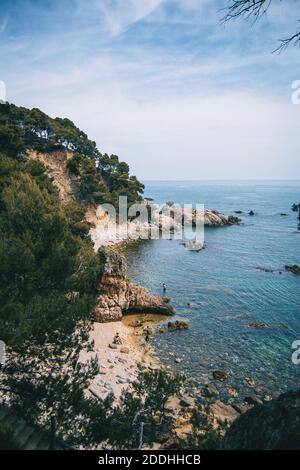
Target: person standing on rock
(164,287)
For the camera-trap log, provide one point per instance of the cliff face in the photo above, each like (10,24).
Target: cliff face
(56,164)
(117,296)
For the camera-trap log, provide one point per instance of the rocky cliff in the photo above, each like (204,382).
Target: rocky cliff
(56,165)
(272,425)
(117,296)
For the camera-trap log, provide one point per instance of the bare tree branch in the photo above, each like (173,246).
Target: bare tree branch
(255,9)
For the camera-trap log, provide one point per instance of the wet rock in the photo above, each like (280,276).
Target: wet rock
(267,398)
(136,324)
(257,326)
(233,220)
(295,269)
(124,350)
(251,213)
(209,391)
(220,375)
(232,392)
(283,214)
(250,381)
(178,360)
(253,400)
(265,270)
(178,325)
(186,402)
(295,207)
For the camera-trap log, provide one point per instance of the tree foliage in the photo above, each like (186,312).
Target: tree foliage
(102,178)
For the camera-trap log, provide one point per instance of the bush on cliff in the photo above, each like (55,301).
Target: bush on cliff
(48,278)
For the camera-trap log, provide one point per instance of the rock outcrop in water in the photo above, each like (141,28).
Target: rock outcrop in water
(117,296)
(295,269)
(272,425)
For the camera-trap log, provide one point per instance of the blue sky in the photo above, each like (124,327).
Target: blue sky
(161,82)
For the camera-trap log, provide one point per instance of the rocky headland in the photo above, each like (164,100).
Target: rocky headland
(117,296)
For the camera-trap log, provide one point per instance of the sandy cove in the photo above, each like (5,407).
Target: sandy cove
(118,369)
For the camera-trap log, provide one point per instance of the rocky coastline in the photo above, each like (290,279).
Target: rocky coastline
(117,296)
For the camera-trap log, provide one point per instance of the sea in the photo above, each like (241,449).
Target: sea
(237,280)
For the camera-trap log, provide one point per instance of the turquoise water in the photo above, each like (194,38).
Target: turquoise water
(225,289)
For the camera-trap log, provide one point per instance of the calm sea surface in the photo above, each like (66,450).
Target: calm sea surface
(224,288)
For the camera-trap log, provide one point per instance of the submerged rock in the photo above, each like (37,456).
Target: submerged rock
(272,425)
(220,375)
(251,213)
(178,325)
(232,392)
(253,400)
(257,326)
(209,391)
(295,269)
(117,296)
(251,382)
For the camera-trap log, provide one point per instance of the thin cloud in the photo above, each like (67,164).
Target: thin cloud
(197,100)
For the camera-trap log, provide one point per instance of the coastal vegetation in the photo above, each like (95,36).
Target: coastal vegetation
(49,274)
(102,178)
(52,287)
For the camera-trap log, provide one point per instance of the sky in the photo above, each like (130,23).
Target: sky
(161,83)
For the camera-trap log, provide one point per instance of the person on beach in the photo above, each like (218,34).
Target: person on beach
(117,339)
(147,332)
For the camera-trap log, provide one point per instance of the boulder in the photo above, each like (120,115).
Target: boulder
(178,325)
(295,269)
(220,375)
(117,296)
(273,425)
(186,402)
(233,220)
(257,326)
(209,391)
(124,350)
(222,412)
